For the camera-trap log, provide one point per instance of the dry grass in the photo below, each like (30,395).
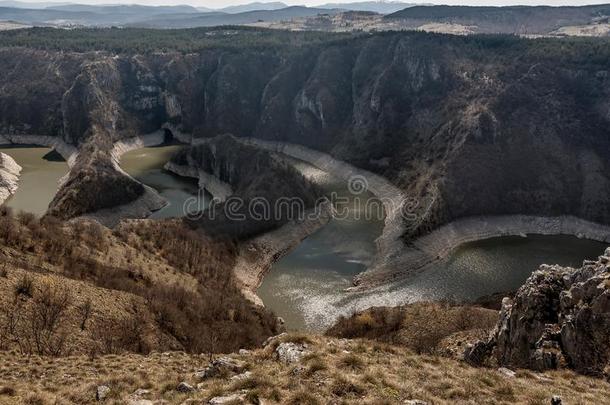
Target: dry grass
(388,374)
(425,327)
(149,285)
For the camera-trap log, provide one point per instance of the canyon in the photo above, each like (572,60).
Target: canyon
(458,126)
(458,140)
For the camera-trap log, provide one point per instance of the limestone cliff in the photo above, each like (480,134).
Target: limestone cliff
(464,126)
(559,317)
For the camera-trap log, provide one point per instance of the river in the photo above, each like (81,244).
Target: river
(39,180)
(146,166)
(307,286)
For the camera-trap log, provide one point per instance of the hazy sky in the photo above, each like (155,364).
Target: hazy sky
(223,3)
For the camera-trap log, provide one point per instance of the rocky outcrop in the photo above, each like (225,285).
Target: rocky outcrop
(559,317)
(9,176)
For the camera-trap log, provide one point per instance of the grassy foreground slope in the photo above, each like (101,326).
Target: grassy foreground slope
(335,371)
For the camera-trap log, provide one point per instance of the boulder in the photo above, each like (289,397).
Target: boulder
(185,387)
(229,399)
(223,365)
(289,352)
(559,318)
(242,376)
(101,392)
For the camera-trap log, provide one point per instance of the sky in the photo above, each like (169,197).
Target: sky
(224,3)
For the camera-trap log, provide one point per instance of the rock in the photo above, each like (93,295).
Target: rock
(507,372)
(185,387)
(556,400)
(273,338)
(140,392)
(102,392)
(415,402)
(560,317)
(242,376)
(136,397)
(241,396)
(221,366)
(289,352)
(244,352)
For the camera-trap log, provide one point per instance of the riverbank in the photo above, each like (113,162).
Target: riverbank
(149,202)
(257,255)
(9,177)
(395,259)
(219,190)
(438,245)
(389,243)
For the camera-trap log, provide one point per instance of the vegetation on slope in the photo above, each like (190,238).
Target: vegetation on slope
(141,40)
(174,288)
(422,327)
(267,192)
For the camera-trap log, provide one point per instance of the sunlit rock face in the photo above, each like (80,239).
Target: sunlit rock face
(559,317)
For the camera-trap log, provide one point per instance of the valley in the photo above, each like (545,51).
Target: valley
(377,195)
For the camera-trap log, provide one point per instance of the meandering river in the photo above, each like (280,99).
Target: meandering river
(41,171)
(146,166)
(306,287)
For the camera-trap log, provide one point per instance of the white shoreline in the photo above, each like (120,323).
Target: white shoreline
(145,205)
(440,243)
(388,243)
(257,256)
(395,259)
(9,177)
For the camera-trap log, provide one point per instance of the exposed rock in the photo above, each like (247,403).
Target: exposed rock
(556,400)
(9,176)
(290,352)
(223,365)
(242,376)
(559,317)
(414,402)
(229,399)
(275,338)
(507,372)
(102,392)
(185,387)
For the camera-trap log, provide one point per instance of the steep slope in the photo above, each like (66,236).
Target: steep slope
(464,126)
(558,318)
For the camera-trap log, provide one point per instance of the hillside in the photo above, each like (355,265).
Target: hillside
(78,288)
(459,121)
(521,20)
(330,371)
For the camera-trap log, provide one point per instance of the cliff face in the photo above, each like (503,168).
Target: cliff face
(558,317)
(466,126)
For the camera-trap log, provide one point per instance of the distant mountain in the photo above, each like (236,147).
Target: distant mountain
(244,8)
(93,15)
(124,9)
(215,19)
(513,20)
(381,7)
(21,4)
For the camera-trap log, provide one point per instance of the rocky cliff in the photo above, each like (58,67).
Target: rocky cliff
(465,126)
(559,317)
